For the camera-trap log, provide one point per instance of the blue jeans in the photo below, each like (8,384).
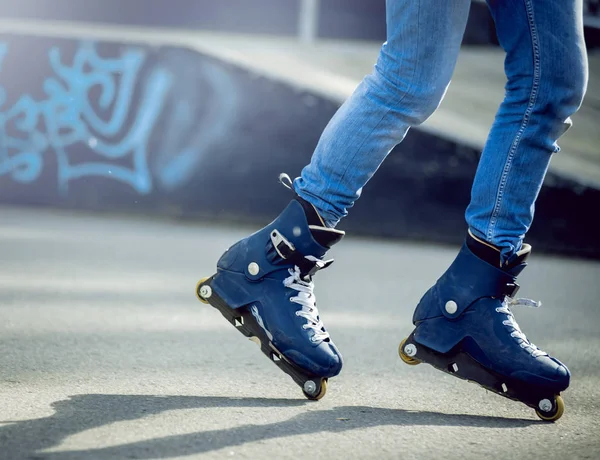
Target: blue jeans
(546,68)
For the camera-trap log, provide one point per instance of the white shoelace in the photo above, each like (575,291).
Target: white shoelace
(515,329)
(306,298)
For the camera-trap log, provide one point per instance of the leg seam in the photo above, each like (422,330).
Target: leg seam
(525,121)
(397,101)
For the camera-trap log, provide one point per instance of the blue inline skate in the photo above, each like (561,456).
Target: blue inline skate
(263,286)
(464,326)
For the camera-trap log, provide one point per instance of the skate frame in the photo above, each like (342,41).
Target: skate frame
(460,364)
(313,386)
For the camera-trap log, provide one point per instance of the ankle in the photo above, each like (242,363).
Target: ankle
(494,256)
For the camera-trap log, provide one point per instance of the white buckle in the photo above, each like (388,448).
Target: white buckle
(277,239)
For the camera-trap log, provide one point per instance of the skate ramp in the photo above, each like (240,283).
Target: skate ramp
(144,127)
(199,125)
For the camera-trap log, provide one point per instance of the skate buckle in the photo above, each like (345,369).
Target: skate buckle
(308,265)
(511,289)
(284,248)
(318,265)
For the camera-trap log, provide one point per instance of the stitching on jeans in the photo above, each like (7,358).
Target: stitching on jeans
(397,101)
(526,117)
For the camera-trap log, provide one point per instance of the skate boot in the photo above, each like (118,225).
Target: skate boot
(263,286)
(464,326)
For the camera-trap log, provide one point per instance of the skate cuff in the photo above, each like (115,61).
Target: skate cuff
(469,279)
(308,265)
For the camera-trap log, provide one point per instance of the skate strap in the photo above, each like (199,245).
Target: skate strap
(510,289)
(308,265)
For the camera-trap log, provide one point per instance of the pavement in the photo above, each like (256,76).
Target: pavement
(333,69)
(105,353)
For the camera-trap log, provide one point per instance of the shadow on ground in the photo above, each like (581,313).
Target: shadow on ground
(28,438)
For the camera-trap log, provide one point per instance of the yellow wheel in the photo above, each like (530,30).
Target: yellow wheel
(200,298)
(555,414)
(404,357)
(321,392)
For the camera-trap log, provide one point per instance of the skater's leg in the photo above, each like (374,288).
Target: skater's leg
(464,324)
(407,84)
(546,67)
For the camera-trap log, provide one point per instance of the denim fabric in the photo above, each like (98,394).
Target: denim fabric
(547,72)
(546,68)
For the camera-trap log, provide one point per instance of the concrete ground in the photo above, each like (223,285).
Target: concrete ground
(333,69)
(105,353)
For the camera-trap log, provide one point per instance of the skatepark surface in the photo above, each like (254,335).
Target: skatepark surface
(105,353)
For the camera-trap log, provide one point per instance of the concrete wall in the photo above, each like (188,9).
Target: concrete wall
(120,126)
(160,130)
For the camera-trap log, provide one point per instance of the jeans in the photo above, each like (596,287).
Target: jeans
(546,69)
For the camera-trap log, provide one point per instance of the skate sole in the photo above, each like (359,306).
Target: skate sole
(549,406)
(313,387)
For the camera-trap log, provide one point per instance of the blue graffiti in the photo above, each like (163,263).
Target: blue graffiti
(3,51)
(188,138)
(67,119)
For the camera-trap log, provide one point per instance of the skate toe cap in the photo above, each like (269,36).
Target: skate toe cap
(549,373)
(336,363)
(562,375)
(562,372)
(557,372)
(324,360)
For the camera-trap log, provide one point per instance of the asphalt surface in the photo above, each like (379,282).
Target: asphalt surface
(105,353)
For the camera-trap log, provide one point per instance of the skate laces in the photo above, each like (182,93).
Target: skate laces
(306,298)
(511,323)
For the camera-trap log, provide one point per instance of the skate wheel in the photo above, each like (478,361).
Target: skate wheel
(320,394)
(198,294)
(553,415)
(404,357)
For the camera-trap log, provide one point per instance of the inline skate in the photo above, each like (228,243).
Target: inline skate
(464,327)
(263,286)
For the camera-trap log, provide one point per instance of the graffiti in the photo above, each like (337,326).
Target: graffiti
(3,50)
(69,119)
(97,116)
(200,115)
